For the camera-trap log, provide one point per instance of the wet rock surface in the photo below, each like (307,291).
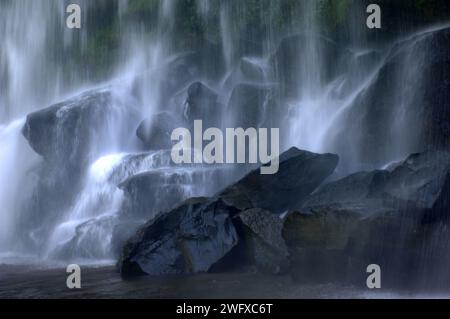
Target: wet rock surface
(299,174)
(163,246)
(264,244)
(70,136)
(189,239)
(389,216)
(67,131)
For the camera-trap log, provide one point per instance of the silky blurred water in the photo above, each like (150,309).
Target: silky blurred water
(37,69)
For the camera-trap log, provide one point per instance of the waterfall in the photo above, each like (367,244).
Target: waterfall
(34,47)
(311,108)
(317,89)
(9,139)
(15,180)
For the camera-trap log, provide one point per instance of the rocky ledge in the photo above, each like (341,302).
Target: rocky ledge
(292,222)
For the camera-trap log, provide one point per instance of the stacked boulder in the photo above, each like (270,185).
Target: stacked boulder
(200,233)
(292,222)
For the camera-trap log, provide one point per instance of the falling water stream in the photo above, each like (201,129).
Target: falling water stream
(35,72)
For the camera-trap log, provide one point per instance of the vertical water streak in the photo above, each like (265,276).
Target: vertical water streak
(16,159)
(35,43)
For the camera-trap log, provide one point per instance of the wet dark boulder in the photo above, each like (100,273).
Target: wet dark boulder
(155,132)
(202,104)
(411,188)
(420,179)
(189,239)
(319,234)
(352,188)
(70,136)
(317,240)
(159,247)
(262,236)
(384,217)
(72,133)
(300,173)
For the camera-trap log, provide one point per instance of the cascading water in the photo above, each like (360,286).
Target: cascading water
(97,204)
(33,50)
(320,97)
(315,89)
(9,139)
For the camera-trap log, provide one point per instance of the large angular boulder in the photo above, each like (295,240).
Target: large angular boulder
(411,190)
(189,239)
(299,174)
